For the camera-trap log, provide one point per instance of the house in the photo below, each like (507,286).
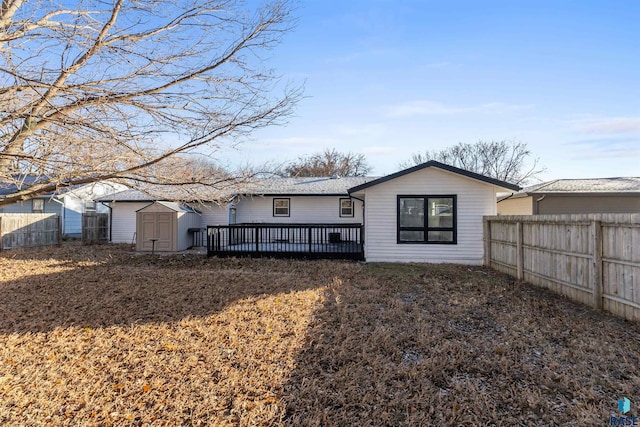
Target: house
(264,201)
(428,213)
(69,204)
(574,196)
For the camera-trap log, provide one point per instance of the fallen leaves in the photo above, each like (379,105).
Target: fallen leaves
(132,340)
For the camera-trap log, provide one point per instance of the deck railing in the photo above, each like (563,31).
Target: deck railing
(335,241)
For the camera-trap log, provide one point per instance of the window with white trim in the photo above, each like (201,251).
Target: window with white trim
(281,207)
(90,206)
(37,205)
(346,208)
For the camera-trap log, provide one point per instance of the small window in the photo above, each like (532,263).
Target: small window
(346,208)
(37,206)
(90,206)
(427,219)
(281,207)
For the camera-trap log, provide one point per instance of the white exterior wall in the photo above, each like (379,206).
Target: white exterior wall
(124,220)
(474,200)
(302,209)
(213,214)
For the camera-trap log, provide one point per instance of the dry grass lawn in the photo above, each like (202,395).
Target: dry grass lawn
(96,336)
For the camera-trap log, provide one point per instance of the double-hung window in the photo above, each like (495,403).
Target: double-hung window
(281,207)
(346,208)
(427,219)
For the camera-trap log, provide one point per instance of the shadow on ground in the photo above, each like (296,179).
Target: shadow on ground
(92,287)
(455,345)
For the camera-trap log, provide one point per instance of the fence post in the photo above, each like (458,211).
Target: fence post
(596,234)
(59,230)
(1,233)
(519,251)
(487,241)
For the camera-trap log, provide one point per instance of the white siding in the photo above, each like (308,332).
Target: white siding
(213,214)
(513,206)
(474,200)
(302,210)
(124,220)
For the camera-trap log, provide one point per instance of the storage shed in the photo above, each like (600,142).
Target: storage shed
(165,227)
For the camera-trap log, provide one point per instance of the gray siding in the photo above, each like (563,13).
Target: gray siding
(25,207)
(570,204)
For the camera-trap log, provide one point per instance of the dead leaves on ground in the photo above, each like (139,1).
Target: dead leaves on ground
(99,336)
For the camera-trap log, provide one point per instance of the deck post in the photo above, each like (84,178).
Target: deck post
(255,237)
(309,238)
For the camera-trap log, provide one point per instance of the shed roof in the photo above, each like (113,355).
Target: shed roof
(433,163)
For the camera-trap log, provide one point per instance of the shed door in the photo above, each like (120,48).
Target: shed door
(157,225)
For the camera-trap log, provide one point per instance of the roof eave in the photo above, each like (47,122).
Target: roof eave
(432,163)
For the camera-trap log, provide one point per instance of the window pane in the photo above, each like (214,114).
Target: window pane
(440,236)
(441,212)
(346,208)
(38,205)
(411,236)
(282,203)
(411,212)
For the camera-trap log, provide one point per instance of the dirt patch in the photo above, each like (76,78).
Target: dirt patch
(94,335)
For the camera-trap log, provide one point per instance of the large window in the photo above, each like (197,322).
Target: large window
(281,207)
(346,208)
(427,219)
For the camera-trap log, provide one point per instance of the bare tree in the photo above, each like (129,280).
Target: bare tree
(96,89)
(504,160)
(328,163)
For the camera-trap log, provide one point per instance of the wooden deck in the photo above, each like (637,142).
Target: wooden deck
(310,241)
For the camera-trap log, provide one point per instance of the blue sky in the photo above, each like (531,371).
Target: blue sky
(390,78)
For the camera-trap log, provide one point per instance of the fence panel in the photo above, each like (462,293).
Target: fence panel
(27,230)
(591,258)
(95,227)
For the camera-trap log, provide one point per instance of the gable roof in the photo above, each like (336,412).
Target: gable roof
(587,185)
(433,163)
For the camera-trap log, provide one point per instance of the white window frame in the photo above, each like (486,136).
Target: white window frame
(277,200)
(351,208)
(39,209)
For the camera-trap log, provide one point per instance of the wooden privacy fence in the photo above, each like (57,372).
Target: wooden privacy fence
(29,230)
(591,258)
(95,227)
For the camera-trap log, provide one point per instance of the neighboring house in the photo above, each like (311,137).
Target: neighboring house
(574,196)
(70,204)
(428,213)
(264,201)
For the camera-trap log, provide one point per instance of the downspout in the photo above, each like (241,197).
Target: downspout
(110,220)
(363,216)
(538,200)
(62,224)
